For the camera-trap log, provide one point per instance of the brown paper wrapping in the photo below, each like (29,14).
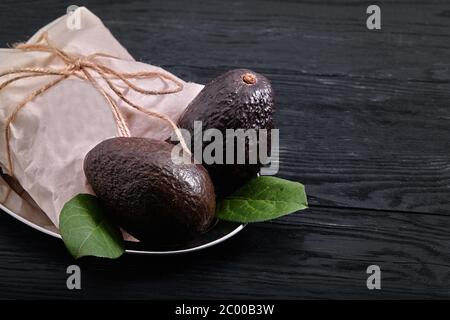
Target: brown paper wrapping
(51,135)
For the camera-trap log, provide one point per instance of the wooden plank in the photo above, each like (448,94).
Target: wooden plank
(353,148)
(318,253)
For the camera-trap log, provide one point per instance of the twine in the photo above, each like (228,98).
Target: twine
(81,67)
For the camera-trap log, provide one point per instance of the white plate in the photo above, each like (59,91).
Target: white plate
(20,206)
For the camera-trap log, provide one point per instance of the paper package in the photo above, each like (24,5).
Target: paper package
(52,133)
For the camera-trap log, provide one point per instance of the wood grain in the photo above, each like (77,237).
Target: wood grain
(364,122)
(319,253)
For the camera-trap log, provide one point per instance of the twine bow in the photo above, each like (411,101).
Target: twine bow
(81,67)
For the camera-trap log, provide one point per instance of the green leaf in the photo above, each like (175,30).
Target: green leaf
(263,198)
(86,231)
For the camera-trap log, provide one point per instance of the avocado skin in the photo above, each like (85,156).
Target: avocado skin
(147,194)
(227,102)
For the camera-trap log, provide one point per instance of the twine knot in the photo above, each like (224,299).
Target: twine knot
(77,65)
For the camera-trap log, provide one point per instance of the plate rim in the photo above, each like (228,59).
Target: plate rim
(130,251)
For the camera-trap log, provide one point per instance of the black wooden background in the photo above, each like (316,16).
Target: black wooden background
(365,125)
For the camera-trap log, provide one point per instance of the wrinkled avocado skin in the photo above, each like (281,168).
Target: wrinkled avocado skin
(227,102)
(148,195)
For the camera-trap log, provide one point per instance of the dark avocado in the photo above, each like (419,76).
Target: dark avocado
(237,99)
(146,193)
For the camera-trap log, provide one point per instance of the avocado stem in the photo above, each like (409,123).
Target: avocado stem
(249,78)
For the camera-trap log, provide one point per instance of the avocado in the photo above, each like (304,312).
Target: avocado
(146,193)
(237,99)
